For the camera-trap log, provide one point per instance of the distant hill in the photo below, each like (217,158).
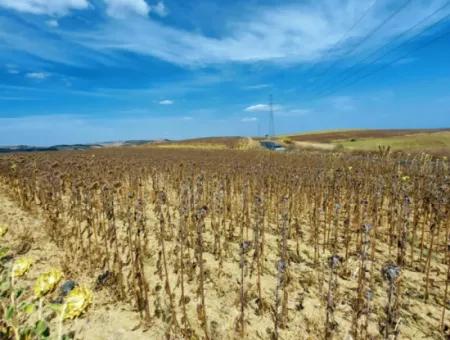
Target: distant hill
(215,143)
(342,135)
(428,140)
(435,141)
(63,147)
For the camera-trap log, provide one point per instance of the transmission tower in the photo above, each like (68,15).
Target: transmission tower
(271,119)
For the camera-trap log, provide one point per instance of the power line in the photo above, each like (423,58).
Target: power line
(350,72)
(271,119)
(368,36)
(384,66)
(346,34)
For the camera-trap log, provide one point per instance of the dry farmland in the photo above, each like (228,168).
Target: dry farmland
(228,244)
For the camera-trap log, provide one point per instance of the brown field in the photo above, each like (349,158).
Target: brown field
(225,244)
(206,143)
(329,137)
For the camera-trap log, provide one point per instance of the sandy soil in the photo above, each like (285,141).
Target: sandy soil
(107,319)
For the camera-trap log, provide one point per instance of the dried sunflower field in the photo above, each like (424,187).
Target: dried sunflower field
(225,244)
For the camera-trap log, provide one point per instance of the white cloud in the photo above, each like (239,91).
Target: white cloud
(249,119)
(187,118)
(52,23)
(50,7)
(123,8)
(291,33)
(37,75)
(258,108)
(160,9)
(166,102)
(256,87)
(262,108)
(12,69)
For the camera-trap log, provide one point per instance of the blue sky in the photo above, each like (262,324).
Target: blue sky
(74,71)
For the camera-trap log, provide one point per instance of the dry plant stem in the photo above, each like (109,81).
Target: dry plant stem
(61,322)
(428,263)
(364,293)
(162,231)
(41,300)
(401,253)
(282,266)
(392,274)
(334,262)
(243,246)
(259,239)
(182,235)
(447,282)
(201,309)
(285,261)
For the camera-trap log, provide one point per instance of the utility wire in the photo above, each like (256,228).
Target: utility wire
(346,34)
(352,71)
(368,36)
(384,66)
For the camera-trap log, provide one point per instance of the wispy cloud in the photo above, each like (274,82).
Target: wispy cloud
(37,75)
(12,69)
(249,119)
(256,87)
(262,108)
(292,33)
(286,33)
(166,102)
(50,7)
(122,8)
(160,9)
(257,108)
(52,23)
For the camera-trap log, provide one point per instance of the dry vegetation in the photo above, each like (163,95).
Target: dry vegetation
(212,143)
(332,136)
(230,244)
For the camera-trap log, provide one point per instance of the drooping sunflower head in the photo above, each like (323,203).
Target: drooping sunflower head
(47,282)
(21,267)
(77,302)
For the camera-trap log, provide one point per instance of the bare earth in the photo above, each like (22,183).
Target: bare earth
(105,319)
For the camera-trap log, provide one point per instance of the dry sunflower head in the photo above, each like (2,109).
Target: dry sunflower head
(21,267)
(77,301)
(47,282)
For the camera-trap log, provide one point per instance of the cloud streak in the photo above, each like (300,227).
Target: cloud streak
(293,33)
(258,108)
(122,8)
(290,33)
(49,7)
(37,75)
(249,119)
(166,102)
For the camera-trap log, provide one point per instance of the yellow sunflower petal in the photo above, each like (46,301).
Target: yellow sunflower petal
(77,301)
(21,266)
(3,230)
(47,282)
